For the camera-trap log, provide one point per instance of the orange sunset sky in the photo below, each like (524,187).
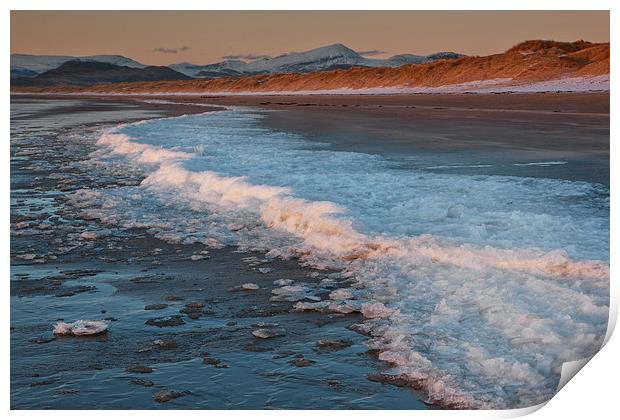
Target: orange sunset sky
(201,37)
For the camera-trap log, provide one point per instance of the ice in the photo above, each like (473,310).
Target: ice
(376,310)
(89,235)
(341,307)
(548,163)
(341,294)
(92,235)
(474,288)
(283,282)
(293,294)
(81,327)
(265,333)
(27,256)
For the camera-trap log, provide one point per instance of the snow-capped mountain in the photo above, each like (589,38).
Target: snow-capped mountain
(223,68)
(324,58)
(28,65)
(336,56)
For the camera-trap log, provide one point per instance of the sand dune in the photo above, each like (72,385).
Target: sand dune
(526,63)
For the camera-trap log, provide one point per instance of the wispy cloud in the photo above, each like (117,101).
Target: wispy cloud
(171,50)
(249,56)
(371,52)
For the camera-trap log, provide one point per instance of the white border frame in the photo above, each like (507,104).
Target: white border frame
(593,394)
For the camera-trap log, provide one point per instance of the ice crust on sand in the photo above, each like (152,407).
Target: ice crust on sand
(81,327)
(476,298)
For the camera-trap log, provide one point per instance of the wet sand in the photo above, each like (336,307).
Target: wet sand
(66,105)
(179,323)
(581,103)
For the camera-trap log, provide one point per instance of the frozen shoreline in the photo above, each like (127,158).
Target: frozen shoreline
(144,153)
(249,201)
(135,281)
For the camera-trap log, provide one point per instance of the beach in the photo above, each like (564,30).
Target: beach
(116,276)
(368,208)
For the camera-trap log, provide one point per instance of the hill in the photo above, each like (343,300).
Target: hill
(88,73)
(29,65)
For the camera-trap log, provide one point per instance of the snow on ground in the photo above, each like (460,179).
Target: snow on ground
(502,85)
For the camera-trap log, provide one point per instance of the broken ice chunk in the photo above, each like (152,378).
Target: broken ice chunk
(283,282)
(81,327)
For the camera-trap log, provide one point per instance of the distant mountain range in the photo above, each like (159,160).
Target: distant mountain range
(576,63)
(88,73)
(336,56)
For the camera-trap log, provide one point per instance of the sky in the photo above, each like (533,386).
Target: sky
(202,37)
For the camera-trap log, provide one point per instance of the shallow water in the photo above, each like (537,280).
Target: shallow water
(477,287)
(466,140)
(258,379)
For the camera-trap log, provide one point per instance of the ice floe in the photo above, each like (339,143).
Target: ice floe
(81,327)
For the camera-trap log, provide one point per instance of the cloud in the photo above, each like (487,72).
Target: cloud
(171,50)
(249,56)
(371,52)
